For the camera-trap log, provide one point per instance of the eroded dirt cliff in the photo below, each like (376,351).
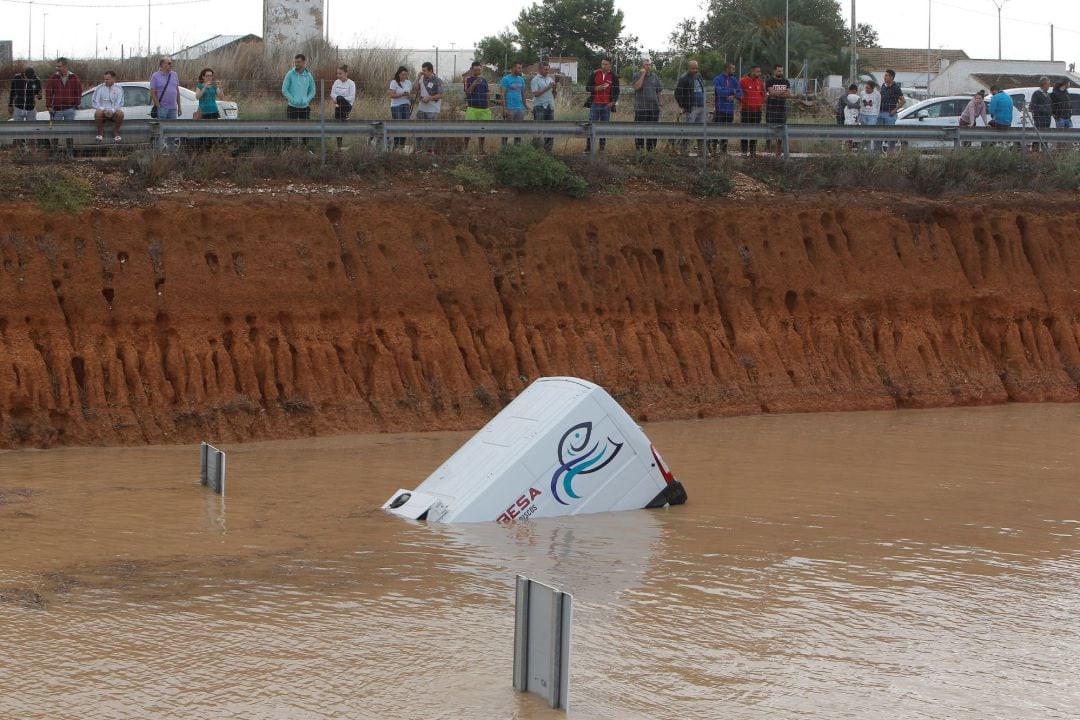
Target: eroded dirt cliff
(233,318)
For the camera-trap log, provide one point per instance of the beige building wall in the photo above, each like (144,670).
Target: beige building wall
(292,22)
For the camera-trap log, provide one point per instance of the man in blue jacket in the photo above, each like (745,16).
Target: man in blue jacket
(1001,109)
(727,92)
(298,89)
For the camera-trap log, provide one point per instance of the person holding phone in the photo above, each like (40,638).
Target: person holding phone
(400,100)
(206,91)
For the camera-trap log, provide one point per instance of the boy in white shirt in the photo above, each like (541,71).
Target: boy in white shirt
(871,107)
(108,103)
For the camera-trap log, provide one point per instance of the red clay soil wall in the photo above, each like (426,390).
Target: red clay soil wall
(226,319)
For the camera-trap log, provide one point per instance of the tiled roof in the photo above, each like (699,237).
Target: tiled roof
(906,60)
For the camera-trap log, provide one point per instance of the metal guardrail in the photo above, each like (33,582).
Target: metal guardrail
(385,131)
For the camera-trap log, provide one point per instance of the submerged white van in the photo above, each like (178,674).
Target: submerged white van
(562,447)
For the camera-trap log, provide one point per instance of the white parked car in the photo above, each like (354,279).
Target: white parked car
(945,111)
(1021,97)
(935,112)
(137,104)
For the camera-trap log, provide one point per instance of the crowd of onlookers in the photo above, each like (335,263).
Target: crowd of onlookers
(754,97)
(63,92)
(1049,107)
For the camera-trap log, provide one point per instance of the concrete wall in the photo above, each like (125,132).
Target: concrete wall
(955,79)
(449,63)
(292,22)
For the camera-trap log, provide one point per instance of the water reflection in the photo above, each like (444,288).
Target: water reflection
(915,564)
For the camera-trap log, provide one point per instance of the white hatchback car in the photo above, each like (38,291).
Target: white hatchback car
(935,112)
(137,104)
(945,111)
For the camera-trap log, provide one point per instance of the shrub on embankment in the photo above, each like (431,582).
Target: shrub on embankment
(971,170)
(71,186)
(54,189)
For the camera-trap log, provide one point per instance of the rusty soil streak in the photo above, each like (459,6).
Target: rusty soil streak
(240,319)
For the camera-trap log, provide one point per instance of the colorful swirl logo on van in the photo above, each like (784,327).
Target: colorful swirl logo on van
(577,457)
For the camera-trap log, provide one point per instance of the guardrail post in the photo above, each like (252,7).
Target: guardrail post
(155,135)
(787,143)
(322,123)
(385,137)
(954,134)
(593,142)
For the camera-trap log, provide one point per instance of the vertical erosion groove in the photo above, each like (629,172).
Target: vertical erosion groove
(391,315)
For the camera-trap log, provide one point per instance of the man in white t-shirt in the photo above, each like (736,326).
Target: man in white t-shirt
(431,92)
(108,103)
(543,88)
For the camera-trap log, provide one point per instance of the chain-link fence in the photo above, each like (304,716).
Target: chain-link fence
(252,125)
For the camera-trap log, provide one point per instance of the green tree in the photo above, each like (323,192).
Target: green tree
(586,29)
(500,51)
(758,31)
(686,37)
(865,36)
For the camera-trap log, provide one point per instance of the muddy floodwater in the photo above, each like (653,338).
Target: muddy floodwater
(915,564)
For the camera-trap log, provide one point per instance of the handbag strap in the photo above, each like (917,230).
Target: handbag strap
(168,80)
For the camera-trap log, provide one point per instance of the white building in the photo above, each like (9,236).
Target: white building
(913,66)
(450,63)
(967,76)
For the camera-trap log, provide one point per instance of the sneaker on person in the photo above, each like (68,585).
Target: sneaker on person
(99,138)
(117,139)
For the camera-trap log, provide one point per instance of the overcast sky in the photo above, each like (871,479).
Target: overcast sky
(70,25)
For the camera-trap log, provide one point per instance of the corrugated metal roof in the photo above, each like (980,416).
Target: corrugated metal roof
(210,45)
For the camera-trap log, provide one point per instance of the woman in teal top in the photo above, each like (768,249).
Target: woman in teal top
(206,92)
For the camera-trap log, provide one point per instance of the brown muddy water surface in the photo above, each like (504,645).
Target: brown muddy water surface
(873,565)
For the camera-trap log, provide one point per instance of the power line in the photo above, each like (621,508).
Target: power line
(110,5)
(988,14)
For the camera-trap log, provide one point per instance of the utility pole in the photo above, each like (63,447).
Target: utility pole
(999,4)
(787,38)
(96,26)
(148,29)
(43,16)
(929,17)
(854,48)
(30,33)
(1051,42)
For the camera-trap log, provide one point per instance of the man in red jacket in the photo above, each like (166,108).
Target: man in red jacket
(753,100)
(63,93)
(603,89)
